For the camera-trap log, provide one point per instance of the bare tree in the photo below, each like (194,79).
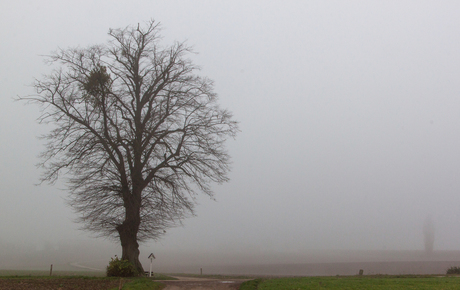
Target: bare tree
(137,132)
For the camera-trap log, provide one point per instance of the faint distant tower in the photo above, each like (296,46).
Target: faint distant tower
(428,234)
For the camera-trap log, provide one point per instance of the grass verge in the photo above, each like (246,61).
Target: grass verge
(141,284)
(353,282)
(251,284)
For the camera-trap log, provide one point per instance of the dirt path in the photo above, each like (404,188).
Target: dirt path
(190,283)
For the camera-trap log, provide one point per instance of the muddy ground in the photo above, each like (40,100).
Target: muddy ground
(187,283)
(106,284)
(58,284)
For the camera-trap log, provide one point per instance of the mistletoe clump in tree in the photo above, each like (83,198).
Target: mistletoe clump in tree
(137,132)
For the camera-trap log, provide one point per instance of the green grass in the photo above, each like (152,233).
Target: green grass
(251,285)
(142,284)
(355,283)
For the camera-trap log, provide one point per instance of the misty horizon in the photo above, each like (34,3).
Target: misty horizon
(349,116)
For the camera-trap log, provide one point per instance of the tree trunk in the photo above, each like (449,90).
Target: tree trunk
(128,232)
(130,246)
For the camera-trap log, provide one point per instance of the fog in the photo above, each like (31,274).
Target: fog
(350,131)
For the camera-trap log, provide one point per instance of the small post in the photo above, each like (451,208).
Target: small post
(151,257)
(201,271)
(51,270)
(361,271)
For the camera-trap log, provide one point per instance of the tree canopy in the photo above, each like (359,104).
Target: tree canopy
(137,132)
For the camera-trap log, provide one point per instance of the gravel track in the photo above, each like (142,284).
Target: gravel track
(187,283)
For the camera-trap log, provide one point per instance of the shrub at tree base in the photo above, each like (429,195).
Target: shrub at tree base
(453,270)
(251,284)
(121,268)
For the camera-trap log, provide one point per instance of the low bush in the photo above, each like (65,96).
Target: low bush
(251,284)
(121,268)
(142,284)
(453,270)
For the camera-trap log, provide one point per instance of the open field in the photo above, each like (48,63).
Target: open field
(326,269)
(35,273)
(63,283)
(43,273)
(294,283)
(356,283)
(222,281)
(76,282)
(278,269)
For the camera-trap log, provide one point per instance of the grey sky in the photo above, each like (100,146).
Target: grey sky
(349,111)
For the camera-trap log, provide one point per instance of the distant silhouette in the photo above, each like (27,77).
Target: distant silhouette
(428,233)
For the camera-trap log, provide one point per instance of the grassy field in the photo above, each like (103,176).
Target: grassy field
(356,283)
(142,284)
(90,281)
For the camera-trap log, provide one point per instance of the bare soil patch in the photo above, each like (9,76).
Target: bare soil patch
(191,283)
(57,284)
